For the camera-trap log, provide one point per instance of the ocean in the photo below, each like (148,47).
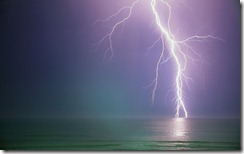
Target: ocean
(121,134)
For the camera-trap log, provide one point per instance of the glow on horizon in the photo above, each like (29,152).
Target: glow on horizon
(167,39)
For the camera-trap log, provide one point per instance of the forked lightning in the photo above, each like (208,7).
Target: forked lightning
(176,48)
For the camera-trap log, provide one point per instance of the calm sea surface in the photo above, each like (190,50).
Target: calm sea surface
(121,134)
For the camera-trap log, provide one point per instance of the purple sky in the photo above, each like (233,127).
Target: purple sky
(50,68)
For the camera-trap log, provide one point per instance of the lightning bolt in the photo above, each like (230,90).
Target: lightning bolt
(177,49)
(110,34)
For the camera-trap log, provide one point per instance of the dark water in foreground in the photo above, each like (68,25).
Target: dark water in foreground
(121,134)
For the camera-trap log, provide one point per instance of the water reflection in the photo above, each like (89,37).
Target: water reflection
(175,129)
(179,128)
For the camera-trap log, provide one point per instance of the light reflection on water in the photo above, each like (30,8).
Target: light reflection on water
(171,130)
(180,127)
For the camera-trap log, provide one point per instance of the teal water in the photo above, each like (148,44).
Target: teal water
(121,134)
